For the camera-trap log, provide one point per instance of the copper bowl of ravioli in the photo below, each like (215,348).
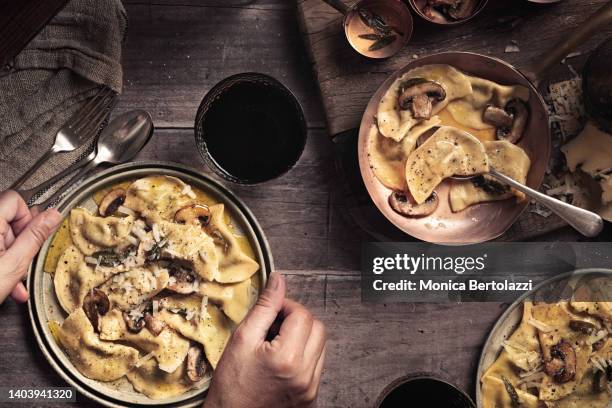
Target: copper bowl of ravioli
(136,295)
(445,115)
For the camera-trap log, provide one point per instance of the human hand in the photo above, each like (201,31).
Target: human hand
(283,372)
(21,236)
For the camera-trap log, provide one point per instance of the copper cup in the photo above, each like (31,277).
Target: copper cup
(419,6)
(357,30)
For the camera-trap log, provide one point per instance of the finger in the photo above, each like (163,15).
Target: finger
(262,315)
(6,236)
(13,209)
(315,345)
(17,258)
(295,328)
(313,391)
(19,293)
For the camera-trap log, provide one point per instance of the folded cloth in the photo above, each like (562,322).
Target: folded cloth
(52,78)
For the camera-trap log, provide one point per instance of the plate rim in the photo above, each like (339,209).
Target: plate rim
(225,195)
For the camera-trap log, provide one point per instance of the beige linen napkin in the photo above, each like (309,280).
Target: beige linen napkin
(52,78)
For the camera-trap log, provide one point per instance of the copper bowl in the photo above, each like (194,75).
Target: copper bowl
(480,222)
(417,6)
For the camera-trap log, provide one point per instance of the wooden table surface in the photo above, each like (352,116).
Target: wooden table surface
(175,52)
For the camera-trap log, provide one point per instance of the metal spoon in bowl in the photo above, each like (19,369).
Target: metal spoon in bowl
(118,143)
(586,222)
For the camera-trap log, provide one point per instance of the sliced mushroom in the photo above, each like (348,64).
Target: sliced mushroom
(497,117)
(562,363)
(419,96)
(111,202)
(95,304)
(154,325)
(462,9)
(510,121)
(519,111)
(403,204)
(183,280)
(134,323)
(194,214)
(583,326)
(196,365)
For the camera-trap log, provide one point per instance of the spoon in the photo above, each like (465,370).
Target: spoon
(118,143)
(586,222)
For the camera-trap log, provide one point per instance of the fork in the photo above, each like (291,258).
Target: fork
(76,131)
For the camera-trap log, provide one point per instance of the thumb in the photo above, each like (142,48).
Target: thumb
(262,315)
(18,257)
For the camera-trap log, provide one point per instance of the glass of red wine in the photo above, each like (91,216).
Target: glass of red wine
(250,128)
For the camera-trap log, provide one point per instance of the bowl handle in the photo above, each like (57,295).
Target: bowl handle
(601,18)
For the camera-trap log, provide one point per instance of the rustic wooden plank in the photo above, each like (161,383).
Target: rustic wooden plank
(371,345)
(251,4)
(174,54)
(443,339)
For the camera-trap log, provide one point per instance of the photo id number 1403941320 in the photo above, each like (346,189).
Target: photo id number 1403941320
(37,394)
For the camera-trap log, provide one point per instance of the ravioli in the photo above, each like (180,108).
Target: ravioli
(157,384)
(234,299)
(168,347)
(558,317)
(468,110)
(397,124)
(73,278)
(495,394)
(446,153)
(189,243)
(505,157)
(91,234)
(387,157)
(94,358)
(128,289)
(158,197)
(234,264)
(522,351)
(212,330)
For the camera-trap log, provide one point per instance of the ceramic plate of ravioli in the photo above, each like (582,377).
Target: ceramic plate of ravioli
(552,347)
(134,298)
(447,94)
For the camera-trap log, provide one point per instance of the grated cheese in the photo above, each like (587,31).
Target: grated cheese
(144,359)
(543,327)
(126,211)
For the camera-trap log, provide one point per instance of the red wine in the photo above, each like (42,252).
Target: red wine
(425,392)
(252,129)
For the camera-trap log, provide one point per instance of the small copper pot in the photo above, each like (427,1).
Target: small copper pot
(395,14)
(419,5)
